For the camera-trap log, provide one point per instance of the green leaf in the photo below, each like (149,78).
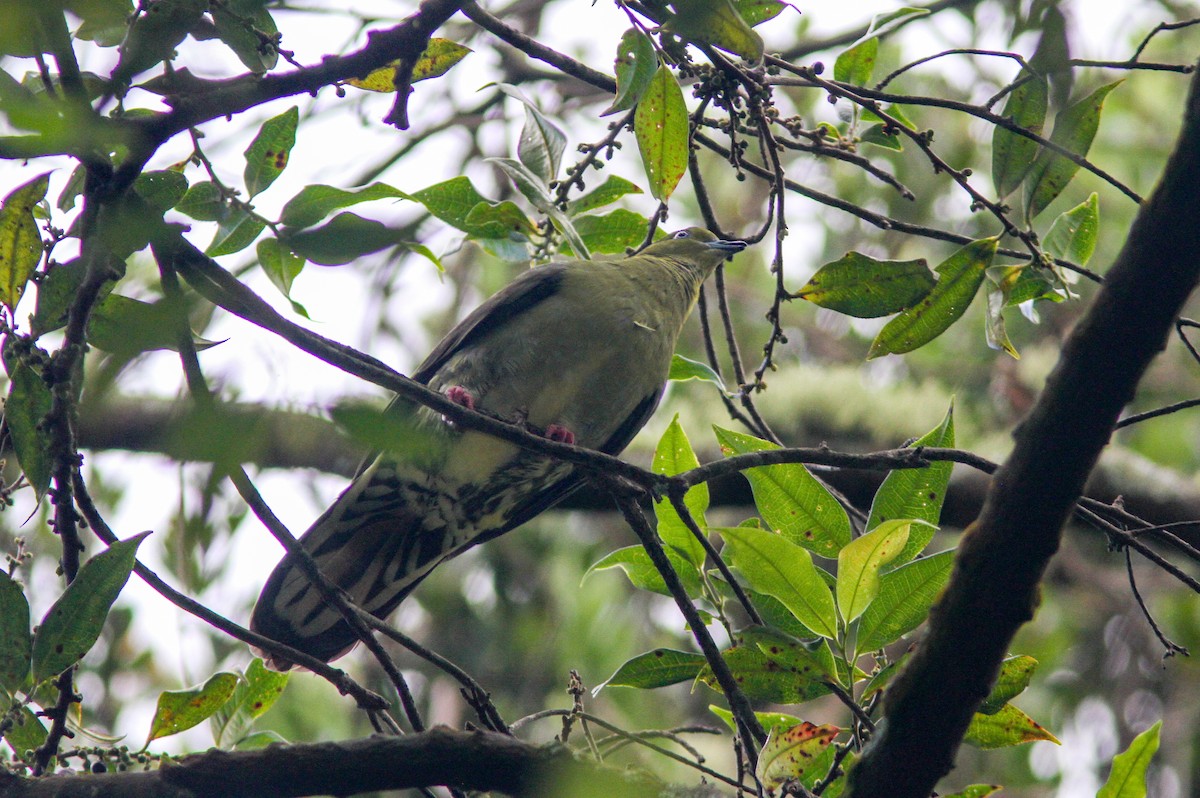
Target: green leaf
(903,602)
(959,278)
(341,240)
(154,36)
(1022,283)
(861,286)
(236,231)
(770,666)
(542,142)
(241,25)
(657,668)
(772,610)
(769,720)
(612,233)
(856,64)
(1007,727)
(637,566)
(1128,776)
(975,791)
(774,565)
(14,631)
(439,57)
(282,266)
(790,499)
(1013,154)
(267,155)
(859,563)
(534,188)
(203,202)
(457,203)
(715,22)
(502,221)
(161,190)
(104,21)
(1015,675)
(314,203)
(1074,129)
(72,625)
(683,369)
(20,241)
(672,456)
(25,410)
(178,710)
(916,492)
(606,193)
(259,740)
(661,128)
(1073,235)
(256,692)
(397,432)
(27,734)
(126,326)
(790,753)
(756,12)
(635,65)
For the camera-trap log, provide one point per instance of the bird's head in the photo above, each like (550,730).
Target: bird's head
(696,248)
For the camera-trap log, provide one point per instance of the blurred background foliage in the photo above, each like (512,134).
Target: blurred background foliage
(514,613)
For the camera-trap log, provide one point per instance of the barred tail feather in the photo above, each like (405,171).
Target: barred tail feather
(376,551)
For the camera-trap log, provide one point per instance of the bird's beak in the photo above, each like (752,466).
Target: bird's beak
(732,247)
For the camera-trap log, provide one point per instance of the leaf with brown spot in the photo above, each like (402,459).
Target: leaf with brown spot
(72,625)
(268,154)
(255,693)
(789,753)
(661,128)
(1005,728)
(178,710)
(657,668)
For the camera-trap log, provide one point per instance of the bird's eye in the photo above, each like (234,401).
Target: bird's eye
(681,234)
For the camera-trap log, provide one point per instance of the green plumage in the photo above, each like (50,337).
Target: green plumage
(579,347)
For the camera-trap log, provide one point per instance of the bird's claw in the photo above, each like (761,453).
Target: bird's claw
(460,396)
(560,434)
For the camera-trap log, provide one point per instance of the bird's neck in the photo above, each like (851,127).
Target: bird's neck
(670,284)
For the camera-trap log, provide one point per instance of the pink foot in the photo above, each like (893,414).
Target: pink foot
(460,396)
(560,434)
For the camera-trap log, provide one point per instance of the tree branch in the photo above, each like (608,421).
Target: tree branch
(483,761)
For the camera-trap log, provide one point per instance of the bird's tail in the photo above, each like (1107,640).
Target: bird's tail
(373,544)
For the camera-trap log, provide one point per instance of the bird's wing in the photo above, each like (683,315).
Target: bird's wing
(529,289)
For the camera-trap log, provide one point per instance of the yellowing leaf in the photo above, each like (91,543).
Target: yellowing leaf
(20,241)
(788,753)
(859,562)
(1007,727)
(438,58)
